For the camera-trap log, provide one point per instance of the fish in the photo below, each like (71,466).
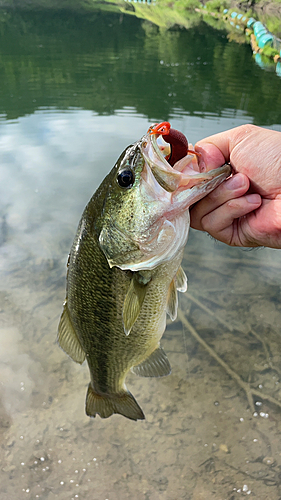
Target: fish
(124,271)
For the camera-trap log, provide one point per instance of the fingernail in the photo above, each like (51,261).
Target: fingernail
(237,181)
(202,165)
(253,198)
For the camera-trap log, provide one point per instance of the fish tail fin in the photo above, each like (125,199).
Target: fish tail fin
(105,405)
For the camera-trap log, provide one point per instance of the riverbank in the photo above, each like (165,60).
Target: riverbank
(262,8)
(180,12)
(268,12)
(168,14)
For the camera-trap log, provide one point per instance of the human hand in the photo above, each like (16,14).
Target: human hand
(245,210)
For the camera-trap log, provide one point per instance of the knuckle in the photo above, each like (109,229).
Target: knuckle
(248,127)
(205,224)
(217,194)
(233,204)
(244,130)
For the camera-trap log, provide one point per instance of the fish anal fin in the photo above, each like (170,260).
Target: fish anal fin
(181,280)
(107,404)
(172,301)
(132,304)
(156,365)
(68,339)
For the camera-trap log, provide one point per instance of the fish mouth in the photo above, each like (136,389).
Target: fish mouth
(186,174)
(160,229)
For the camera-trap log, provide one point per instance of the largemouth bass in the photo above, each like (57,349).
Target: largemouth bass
(124,271)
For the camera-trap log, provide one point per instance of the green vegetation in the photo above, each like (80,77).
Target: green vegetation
(217,5)
(274,25)
(163,16)
(187,4)
(269,51)
(260,2)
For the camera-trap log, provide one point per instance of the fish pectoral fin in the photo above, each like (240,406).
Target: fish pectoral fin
(181,280)
(107,404)
(68,339)
(156,365)
(172,301)
(132,304)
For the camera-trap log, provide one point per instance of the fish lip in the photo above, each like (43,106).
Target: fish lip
(186,173)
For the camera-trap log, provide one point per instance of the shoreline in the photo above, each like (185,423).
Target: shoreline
(164,13)
(261,9)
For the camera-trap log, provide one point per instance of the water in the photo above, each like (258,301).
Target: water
(75,90)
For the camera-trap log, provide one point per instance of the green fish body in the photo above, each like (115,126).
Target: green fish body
(124,272)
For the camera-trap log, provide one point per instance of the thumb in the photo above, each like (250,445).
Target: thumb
(210,156)
(220,148)
(216,149)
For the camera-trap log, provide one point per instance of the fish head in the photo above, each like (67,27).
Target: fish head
(131,218)
(144,220)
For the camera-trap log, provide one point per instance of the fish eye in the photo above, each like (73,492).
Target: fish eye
(126,178)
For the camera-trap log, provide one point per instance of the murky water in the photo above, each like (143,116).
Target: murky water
(69,108)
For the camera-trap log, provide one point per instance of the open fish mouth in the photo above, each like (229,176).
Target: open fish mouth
(152,227)
(185,174)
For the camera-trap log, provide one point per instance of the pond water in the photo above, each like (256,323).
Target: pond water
(75,90)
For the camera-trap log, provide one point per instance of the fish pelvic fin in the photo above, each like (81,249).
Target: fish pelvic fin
(105,405)
(68,339)
(181,280)
(178,283)
(133,303)
(156,365)
(172,301)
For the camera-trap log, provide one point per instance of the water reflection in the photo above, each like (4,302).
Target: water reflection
(52,162)
(106,62)
(198,423)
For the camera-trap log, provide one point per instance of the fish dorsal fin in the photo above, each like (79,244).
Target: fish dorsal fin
(133,302)
(181,280)
(172,301)
(156,365)
(68,339)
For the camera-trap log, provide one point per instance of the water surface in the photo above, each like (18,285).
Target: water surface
(74,92)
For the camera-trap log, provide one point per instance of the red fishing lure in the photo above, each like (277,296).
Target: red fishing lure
(177,140)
